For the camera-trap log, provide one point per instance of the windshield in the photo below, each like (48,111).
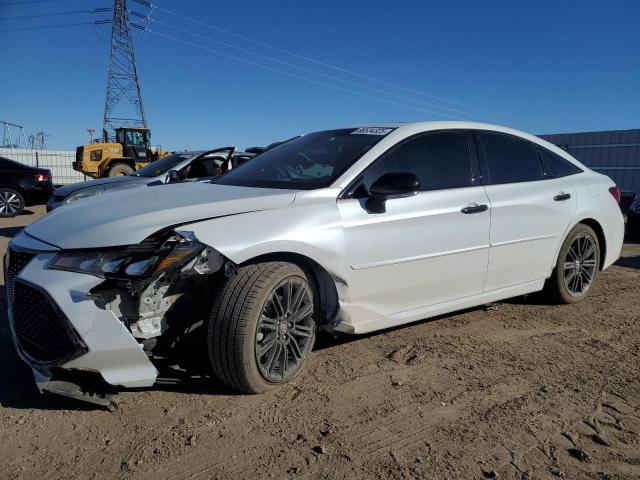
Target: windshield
(306,163)
(161,166)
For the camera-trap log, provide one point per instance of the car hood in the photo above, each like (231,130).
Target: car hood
(110,182)
(129,216)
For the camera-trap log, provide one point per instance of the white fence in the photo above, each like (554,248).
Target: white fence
(59,162)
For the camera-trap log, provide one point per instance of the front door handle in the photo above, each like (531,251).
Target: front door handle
(561,197)
(475,208)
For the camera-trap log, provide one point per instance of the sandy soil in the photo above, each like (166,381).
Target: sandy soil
(516,390)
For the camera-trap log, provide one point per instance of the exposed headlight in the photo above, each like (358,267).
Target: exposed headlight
(123,264)
(84,193)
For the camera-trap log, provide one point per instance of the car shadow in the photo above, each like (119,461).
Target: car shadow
(537,299)
(326,340)
(10,232)
(17,389)
(629,262)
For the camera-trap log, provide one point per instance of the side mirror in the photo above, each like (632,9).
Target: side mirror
(175,176)
(391,185)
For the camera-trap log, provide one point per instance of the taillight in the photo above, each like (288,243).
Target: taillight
(617,194)
(41,177)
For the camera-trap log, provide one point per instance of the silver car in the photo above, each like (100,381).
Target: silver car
(202,165)
(349,230)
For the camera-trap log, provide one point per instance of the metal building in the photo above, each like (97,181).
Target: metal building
(615,153)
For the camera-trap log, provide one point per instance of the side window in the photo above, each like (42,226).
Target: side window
(555,166)
(440,160)
(510,159)
(198,169)
(205,167)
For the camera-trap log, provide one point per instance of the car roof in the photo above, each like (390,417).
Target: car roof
(403,130)
(20,166)
(400,127)
(200,152)
(442,124)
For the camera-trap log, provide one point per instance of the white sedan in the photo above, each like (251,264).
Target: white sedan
(350,230)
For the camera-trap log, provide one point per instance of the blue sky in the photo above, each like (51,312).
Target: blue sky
(544,66)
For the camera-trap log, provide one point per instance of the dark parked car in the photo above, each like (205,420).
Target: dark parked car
(633,219)
(22,185)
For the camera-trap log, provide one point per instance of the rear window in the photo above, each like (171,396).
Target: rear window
(555,166)
(510,159)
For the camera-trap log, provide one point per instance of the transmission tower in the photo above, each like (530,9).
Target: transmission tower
(12,135)
(123,106)
(38,141)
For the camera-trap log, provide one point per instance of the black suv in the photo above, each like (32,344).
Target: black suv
(22,185)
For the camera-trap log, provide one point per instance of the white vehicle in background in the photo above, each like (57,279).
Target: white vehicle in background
(195,166)
(349,230)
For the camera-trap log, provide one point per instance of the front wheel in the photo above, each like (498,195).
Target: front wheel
(262,326)
(577,266)
(120,170)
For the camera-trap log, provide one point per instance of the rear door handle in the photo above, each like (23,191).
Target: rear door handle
(561,197)
(474,208)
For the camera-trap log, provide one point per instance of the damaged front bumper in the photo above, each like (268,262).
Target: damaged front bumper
(57,326)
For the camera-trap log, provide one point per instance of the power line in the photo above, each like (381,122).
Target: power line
(29,2)
(318,62)
(315,72)
(95,30)
(60,25)
(294,75)
(57,14)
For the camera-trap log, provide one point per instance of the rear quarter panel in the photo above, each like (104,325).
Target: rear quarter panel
(596,202)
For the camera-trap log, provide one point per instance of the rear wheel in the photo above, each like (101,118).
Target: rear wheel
(120,170)
(11,202)
(577,266)
(262,327)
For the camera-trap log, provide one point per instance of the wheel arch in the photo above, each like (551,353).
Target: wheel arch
(602,239)
(324,283)
(596,226)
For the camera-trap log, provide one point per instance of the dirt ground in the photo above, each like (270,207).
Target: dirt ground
(516,390)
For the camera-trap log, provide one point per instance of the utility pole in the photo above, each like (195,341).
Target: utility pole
(123,105)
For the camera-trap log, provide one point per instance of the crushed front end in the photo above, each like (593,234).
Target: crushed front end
(90,322)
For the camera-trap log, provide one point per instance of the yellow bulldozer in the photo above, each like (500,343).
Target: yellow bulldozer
(130,151)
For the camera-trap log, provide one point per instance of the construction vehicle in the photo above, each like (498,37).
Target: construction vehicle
(130,151)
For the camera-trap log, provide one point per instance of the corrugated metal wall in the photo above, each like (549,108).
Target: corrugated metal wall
(615,153)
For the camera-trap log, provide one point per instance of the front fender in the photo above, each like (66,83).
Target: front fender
(314,231)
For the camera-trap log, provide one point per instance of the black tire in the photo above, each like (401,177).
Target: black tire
(556,287)
(240,308)
(120,170)
(633,228)
(11,202)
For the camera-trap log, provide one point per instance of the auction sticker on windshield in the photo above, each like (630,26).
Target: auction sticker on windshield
(371,131)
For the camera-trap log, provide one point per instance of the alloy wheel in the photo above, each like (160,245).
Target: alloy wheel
(9,203)
(286,330)
(580,264)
